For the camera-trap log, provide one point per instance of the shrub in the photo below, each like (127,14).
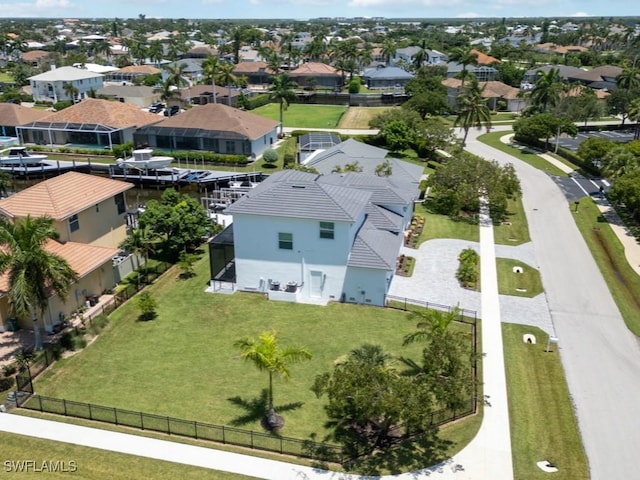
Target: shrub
(289,159)
(467,272)
(257,101)
(62,105)
(66,341)
(270,155)
(6,384)
(147,305)
(9,370)
(79,342)
(354,85)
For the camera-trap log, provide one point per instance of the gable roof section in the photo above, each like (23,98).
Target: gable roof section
(294,194)
(387,73)
(13,115)
(103,112)
(67,74)
(384,219)
(373,248)
(352,149)
(251,67)
(384,190)
(138,69)
(62,196)
(483,58)
(314,69)
(221,118)
(491,89)
(139,91)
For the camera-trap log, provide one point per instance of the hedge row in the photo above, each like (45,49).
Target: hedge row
(257,101)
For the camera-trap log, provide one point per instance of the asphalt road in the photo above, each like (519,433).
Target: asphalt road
(601,358)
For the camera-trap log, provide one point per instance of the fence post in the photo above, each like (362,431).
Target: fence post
(39,403)
(251,432)
(168,426)
(90,412)
(195,428)
(224,440)
(141,421)
(64,404)
(115,414)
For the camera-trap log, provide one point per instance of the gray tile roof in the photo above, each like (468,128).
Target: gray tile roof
(387,73)
(384,219)
(352,148)
(374,248)
(385,191)
(66,74)
(298,195)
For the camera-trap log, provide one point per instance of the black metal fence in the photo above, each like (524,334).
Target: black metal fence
(404,303)
(184,428)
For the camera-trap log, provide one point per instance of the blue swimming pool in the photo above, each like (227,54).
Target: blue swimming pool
(8,141)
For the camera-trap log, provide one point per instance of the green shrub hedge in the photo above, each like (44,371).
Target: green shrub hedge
(257,101)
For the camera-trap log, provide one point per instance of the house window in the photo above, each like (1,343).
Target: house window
(120,203)
(285,241)
(231,146)
(74,224)
(327,230)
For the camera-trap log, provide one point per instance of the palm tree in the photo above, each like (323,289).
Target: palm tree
(282,91)
(210,69)
(226,77)
(421,56)
(546,92)
(6,183)
(71,91)
(473,110)
(155,52)
(629,78)
(634,114)
(388,50)
(431,323)
(266,354)
(464,57)
(140,241)
(34,273)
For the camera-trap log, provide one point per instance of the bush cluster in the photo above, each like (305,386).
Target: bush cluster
(468,270)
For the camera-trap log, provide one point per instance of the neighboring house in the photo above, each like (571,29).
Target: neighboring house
(192,68)
(559,49)
(482,72)
(130,73)
(315,74)
(139,95)
(483,58)
(310,238)
(102,123)
(493,91)
(88,213)
(386,77)
(12,115)
(257,73)
(212,127)
(50,86)
(203,94)
(37,58)
(312,142)
(404,56)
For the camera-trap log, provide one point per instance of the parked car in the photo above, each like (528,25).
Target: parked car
(156,107)
(171,111)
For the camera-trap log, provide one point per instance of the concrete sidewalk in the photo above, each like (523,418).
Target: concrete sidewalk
(487,457)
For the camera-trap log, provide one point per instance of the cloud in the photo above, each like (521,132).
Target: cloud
(394,4)
(39,8)
(212,2)
(469,15)
(579,14)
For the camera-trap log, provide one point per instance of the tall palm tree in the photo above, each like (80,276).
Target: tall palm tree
(388,50)
(282,91)
(421,56)
(473,110)
(548,88)
(266,354)
(464,57)
(629,78)
(226,77)
(156,52)
(34,273)
(210,69)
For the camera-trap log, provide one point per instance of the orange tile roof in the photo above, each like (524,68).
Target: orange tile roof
(312,69)
(219,117)
(13,115)
(34,55)
(250,67)
(103,112)
(483,58)
(491,89)
(141,69)
(83,258)
(62,196)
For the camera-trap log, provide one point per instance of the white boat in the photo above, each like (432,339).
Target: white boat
(143,159)
(20,156)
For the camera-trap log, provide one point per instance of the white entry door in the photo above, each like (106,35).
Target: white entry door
(316,283)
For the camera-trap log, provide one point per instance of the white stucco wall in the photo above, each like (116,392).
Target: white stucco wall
(366,285)
(317,264)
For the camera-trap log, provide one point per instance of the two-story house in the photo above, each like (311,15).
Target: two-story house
(88,213)
(52,86)
(311,238)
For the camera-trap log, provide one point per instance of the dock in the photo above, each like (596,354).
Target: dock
(160,177)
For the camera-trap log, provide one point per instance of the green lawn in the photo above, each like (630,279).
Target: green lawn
(493,140)
(442,226)
(511,283)
(304,116)
(515,229)
(95,464)
(6,77)
(184,365)
(543,426)
(608,252)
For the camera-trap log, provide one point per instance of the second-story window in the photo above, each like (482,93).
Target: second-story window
(74,224)
(327,230)
(285,241)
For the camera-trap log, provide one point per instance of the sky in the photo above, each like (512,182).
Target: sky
(308,9)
